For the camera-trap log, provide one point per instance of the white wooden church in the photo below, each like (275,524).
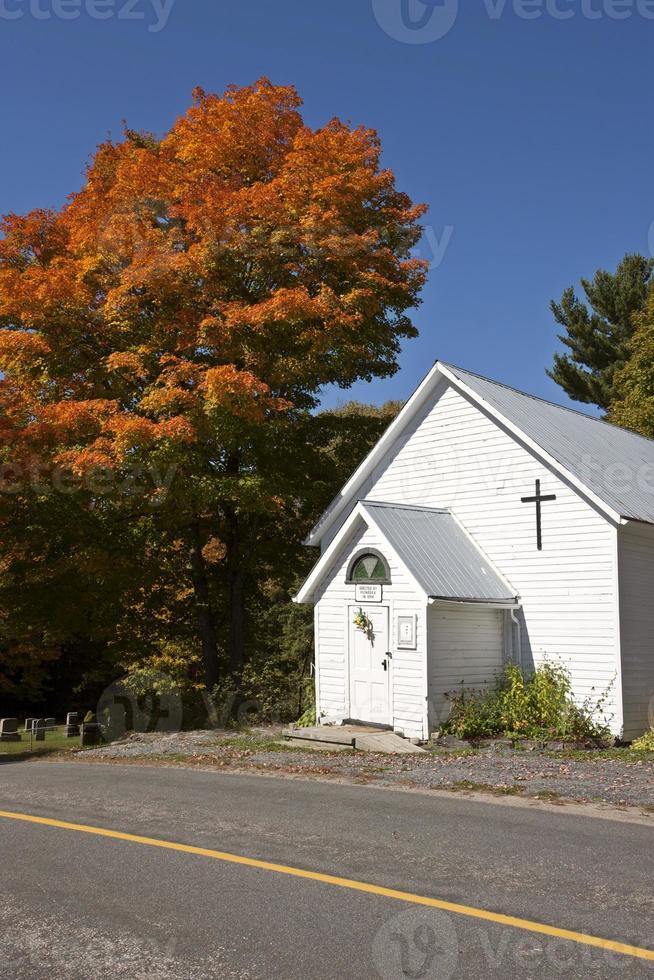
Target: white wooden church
(486,526)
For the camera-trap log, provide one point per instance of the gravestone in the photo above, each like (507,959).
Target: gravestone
(38,728)
(71,728)
(9,730)
(28,724)
(90,733)
(50,724)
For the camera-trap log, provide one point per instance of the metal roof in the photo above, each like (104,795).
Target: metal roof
(614,464)
(441,556)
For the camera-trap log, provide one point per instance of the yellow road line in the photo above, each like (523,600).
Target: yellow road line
(349,883)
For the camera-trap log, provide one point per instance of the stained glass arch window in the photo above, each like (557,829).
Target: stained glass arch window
(369,566)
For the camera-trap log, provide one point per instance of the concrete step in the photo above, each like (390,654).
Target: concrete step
(321,733)
(386,742)
(354,737)
(311,745)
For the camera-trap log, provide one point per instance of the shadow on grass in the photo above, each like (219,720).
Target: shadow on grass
(6,758)
(27,754)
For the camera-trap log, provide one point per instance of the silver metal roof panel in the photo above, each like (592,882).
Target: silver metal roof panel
(439,553)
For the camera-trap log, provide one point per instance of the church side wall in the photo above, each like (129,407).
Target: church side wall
(466,651)
(455,456)
(407,669)
(636,564)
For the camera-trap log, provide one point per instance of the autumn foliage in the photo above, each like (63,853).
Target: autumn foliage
(187,305)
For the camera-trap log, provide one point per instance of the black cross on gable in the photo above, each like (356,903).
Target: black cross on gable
(539,499)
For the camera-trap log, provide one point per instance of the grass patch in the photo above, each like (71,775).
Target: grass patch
(549,796)
(468,785)
(54,742)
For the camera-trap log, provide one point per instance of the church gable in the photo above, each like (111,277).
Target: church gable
(611,468)
(454,455)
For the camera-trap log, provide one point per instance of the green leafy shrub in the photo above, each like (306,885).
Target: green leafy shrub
(308,719)
(273,691)
(174,667)
(536,705)
(645,743)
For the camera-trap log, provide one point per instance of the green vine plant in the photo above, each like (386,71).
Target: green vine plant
(363,622)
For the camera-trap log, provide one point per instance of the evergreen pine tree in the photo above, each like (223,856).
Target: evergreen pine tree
(597,333)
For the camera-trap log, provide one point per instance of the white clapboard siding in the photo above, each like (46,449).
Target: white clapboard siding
(408,684)
(636,562)
(454,455)
(466,650)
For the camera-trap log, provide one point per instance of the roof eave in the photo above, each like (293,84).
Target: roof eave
(494,603)
(343,498)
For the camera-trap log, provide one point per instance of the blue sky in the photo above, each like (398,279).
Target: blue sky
(530,137)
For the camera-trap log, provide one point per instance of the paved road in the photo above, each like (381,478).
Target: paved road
(74,905)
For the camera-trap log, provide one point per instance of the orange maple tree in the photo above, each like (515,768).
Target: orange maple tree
(191,300)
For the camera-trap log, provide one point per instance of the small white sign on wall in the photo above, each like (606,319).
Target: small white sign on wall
(406,632)
(368,593)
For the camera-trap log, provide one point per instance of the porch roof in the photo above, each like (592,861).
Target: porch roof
(439,553)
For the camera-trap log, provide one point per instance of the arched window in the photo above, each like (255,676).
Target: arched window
(369,566)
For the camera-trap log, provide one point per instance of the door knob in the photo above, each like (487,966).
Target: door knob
(385,664)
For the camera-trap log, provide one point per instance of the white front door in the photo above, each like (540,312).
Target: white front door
(370,667)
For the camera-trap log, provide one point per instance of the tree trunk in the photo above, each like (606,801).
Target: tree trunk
(236,613)
(236,564)
(206,624)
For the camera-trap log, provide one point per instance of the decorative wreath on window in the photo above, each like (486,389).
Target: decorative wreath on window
(363,622)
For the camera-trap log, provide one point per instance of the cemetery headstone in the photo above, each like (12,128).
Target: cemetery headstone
(39,729)
(50,724)
(9,730)
(28,724)
(71,728)
(90,733)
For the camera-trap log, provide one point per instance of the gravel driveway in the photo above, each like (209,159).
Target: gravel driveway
(627,780)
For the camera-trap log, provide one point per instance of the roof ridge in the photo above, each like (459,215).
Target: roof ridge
(389,503)
(546,401)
